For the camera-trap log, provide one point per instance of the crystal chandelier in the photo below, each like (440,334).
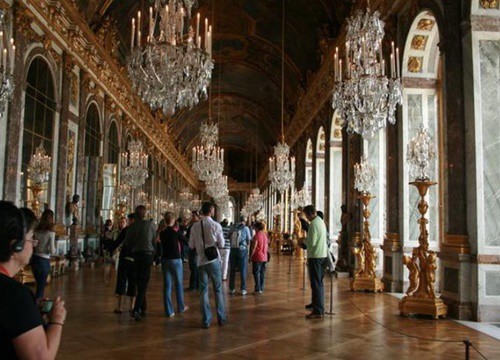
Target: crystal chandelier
(208,159)
(134,165)
(254,202)
(300,198)
(8,52)
(218,187)
(364,176)
(281,166)
(170,68)
(39,166)
(123,193)
(195,203)
(185,197)
(141,198)
(277,209)
(419,154)
(366,98)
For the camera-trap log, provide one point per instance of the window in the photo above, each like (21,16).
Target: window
(320,170)
(113,146)
(39,111)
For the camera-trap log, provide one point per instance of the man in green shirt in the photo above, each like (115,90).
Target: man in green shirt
(316,244)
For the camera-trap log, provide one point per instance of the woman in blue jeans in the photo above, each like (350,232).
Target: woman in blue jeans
(40,262)
(172,243)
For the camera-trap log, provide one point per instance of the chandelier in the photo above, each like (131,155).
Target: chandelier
(300,198)
(123,193)
(141,198)
(6,81)
(134,165)
(419,154)
(281,166)
(364,176)
(185,197)
(208,159)
(39,166)
(170,68)
(218,187)
(254,202)
(366,98)
(195,203)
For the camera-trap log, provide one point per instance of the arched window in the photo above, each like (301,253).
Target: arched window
(420,107)
(309,171)
(92,207)
(113,146)
(39,111)
(335,197)
(320,170)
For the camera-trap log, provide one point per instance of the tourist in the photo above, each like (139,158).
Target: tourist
(125,275)
(207,233)
(40,262)
(224,253)
(140,239)
(22,333)
(316,244)
(259,257)
(240,239)
(172,243)
(192,256)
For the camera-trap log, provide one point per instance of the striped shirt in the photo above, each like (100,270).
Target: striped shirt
(227,240)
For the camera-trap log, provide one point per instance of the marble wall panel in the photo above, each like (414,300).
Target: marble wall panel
(489,57)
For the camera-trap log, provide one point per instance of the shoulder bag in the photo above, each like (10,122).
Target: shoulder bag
(210,252)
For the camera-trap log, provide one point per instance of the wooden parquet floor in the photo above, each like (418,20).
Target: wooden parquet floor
(267,326)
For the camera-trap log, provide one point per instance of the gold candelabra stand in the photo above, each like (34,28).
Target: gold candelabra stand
(420,298)
(366,257)
(121,210)
(36,189)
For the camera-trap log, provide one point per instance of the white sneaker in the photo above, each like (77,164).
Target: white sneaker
(243,292)
(232,291)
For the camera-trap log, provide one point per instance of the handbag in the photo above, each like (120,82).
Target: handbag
(210,252)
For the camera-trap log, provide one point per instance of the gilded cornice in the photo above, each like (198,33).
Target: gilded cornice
(62,20)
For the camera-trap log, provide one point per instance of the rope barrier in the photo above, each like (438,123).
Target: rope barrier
(466,342)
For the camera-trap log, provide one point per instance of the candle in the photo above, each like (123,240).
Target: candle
(1,41)
(138,29)
(398,73)
(383,67)
(197,29)
(182,22)
(150,23)
(132,35)
(199,41)
(206,31)
(12,57)
(340,72)
(392,65)
(4,59)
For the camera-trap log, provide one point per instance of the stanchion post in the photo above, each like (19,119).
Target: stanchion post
(303,275)
(331,296)
(467,349)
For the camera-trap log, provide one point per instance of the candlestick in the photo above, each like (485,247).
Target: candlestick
(13,56)
(132,35)
(197,29)
(398,73)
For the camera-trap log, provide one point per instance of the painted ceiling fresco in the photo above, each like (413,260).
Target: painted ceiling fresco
(246,81)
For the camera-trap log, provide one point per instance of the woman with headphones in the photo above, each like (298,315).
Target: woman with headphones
(22,333)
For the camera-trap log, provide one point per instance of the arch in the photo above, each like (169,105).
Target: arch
(335,180)
(420,107)
(37,52)
(319,182)
(39,118)
(113,143)
(92,130)
(421,52)
(308,166)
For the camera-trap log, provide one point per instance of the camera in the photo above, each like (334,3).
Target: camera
(46,306)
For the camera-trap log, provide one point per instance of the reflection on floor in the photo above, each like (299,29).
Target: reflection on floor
(267,326)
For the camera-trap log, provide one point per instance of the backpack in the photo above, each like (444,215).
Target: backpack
(236,236)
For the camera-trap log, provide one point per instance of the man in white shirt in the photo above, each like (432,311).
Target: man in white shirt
(199,239)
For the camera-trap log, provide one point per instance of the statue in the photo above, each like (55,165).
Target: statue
(360,259)
(72,214)
(411,264)
(431,274)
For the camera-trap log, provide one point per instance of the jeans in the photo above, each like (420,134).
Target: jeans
(238,258)
(316,267)
(224,254)
(213,271)
(143,263)
(193,270)
(259,275)
(172,270)
(41,269)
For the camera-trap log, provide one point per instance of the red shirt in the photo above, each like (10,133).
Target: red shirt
(261,244)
